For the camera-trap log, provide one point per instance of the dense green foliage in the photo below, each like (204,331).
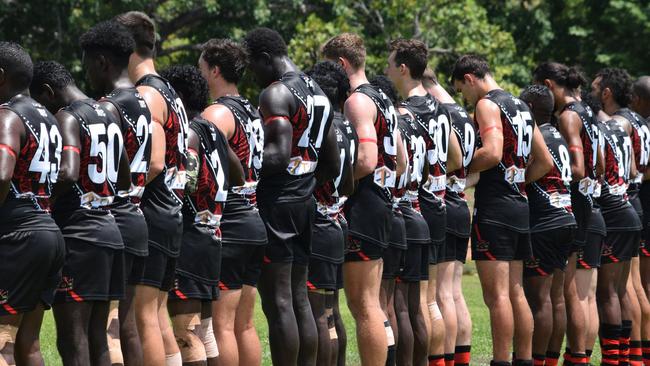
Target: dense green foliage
(513,34)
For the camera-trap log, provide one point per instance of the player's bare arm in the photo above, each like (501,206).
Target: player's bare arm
(69,167)
(158,109)
(222,118)
(11,134)
(540,159)
(275,105)
(570,127)
(488,118)
(360,112)
(235,169)
(329,161)
(402,156)
(454,154)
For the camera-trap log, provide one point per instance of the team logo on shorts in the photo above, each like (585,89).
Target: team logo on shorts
(354,245)
(580,254)
(66,284)
(607,250)
(4,296)
(482,246)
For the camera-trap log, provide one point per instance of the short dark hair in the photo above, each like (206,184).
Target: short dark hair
(347,45)
(143,30)
(429,78)
(619,82)
(541,100)
(228,55)
(265,40)
(17,64)
(383,83)
(51,73)
(331,77)
(190,84)
(569,77)
(111,39)
(641,87)
(470,64)
(412,53)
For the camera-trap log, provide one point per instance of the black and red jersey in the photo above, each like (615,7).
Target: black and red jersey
(100,151)
(504,185)
(247,142)
(27,205)
(613,199)
(457,209)
(136,129)
(327,195)
(204,206)
(385,123)
(311,122)
(550,196)
(588,136)
(162,199)
(171,182)
(640,140)
(416,148)
(433,120)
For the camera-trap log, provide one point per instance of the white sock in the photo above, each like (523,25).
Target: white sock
(174,360)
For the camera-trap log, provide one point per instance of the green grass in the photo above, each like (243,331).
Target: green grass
(481,342)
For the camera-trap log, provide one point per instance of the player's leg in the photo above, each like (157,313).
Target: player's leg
(494,277)
(113,334)
(27,348)
(644,324)
(362,283)
(97,340)
(317,300)
(445,297)
(609,310)
(128,330)
(523,318)
(146,316)
(304,317)
(339,345)
(420,321)
(224,312)
(404,354)
(72,324)
(594,320)
(206,333)
(437,333)
(9,325)
(186,323)
(248,342)
(558,304)
(462,350)
(538,292)
(630,315)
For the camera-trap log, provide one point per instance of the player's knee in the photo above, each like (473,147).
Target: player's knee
(186,331)
(495,300)
(206,334)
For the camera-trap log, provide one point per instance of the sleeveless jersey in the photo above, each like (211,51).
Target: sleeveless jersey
(434,123)
(136,129)
(27,206)
(163,197)
(415,147)
(369,209)
(327,195)
(614,202)
(458,216)
(82,213)
(641,147)
(550,196)
(310,122)
(204,207)
(504,185)
(248,144)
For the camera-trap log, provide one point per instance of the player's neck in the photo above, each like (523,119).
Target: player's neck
(412,88)
(357,78)
(121,81)
(487,84)
(140,67)
(221,88)
(562,102)
(72,93)
(610,107)
(283,66)
(441,94)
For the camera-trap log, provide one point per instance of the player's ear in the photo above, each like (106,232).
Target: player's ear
(343,62)
(47,89)
(468,78)
(548,83)
(605,93)
(216,71)
(403,69)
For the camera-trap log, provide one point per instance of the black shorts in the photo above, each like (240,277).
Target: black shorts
(434,252)
(588,257)
(133,267)
(358,250)
(620,246)
(186,288)
(91,273)
(497,243)
(133,227)
(435,214)
(551,250)
(328,243)
(200,257)
(289,230)
(322,275)
(240,265)
(30,270)
(339,276)
(582,212)
(397,237)
(454,249)
(392,262)
(415,263)
(158,270)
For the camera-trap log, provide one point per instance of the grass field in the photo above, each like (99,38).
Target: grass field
(481,343)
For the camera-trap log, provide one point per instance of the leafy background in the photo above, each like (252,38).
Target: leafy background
(513,35)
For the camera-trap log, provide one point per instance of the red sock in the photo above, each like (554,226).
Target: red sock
(538,360)
(645,350)
(449,359)
(462,355)
(609,343)
(552,358)
(624,343)
(636,355)
(437,360)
